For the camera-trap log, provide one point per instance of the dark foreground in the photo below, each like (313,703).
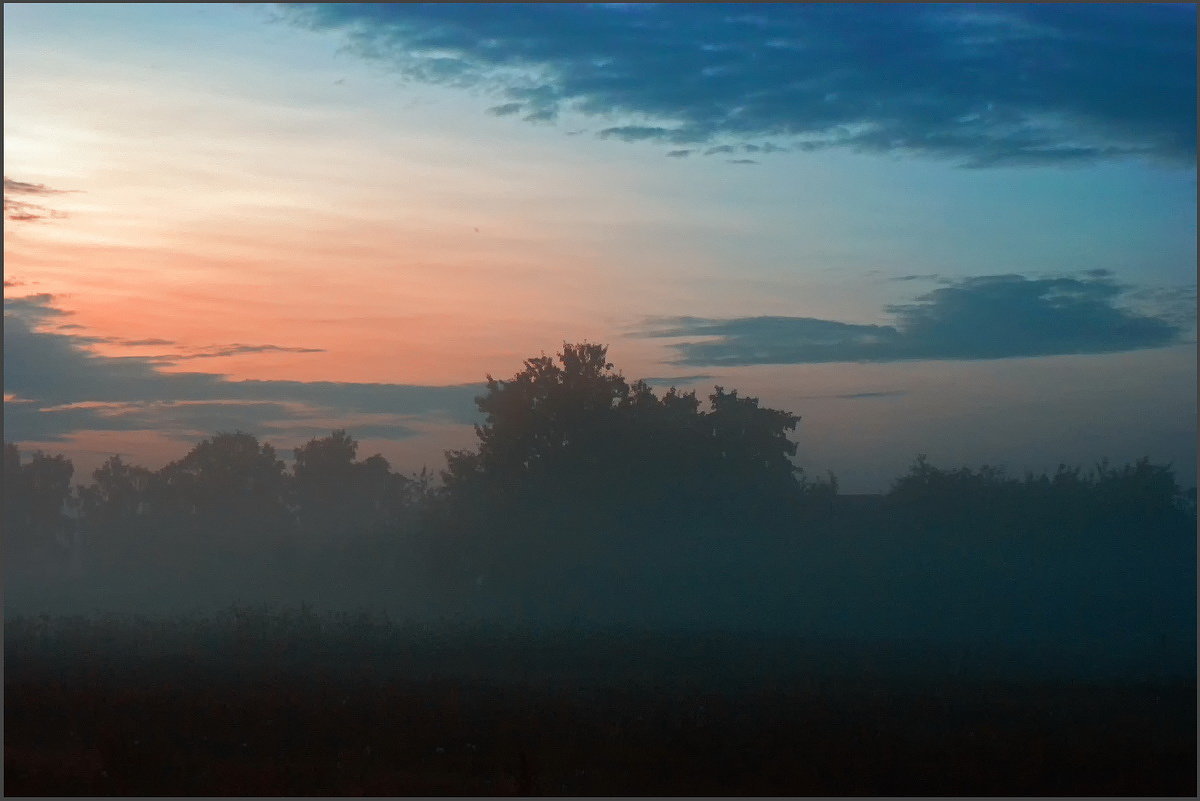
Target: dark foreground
(290,706)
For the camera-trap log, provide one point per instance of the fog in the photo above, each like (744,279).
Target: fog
(1105,604)
(571,610)
(594,505)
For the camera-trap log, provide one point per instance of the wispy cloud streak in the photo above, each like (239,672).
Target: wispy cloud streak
(16,210)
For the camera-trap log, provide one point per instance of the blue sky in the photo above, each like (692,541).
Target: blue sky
(965,230)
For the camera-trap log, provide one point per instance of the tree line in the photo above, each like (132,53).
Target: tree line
(568,448)
(230,490)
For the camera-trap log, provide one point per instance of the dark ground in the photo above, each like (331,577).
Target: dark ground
(260,705)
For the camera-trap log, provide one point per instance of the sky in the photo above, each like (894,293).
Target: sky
(967,231)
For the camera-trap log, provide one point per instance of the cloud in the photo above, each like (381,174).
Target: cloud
(891,393)
(677,380)
(72,389)
(1176,305)
(182,419)
(774,340)
(634,133)
(21,211)
(679,154)
(922,277)
(742,161)
(988,317)
(33,308)
(24,210)
(887,393)
(235,349)
(25,188)
(505,109)
(983,85)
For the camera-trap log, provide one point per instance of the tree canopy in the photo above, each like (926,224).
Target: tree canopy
(1069,500)
(35,497)
(573,431)
(229,477)
(575,467)
(334,494)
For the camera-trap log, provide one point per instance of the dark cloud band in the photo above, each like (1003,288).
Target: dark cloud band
(989,317)
(985,85)
(63,388)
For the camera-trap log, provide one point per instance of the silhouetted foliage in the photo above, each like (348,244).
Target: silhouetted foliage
(229,490)
(227,476)
(750,448)
(346,505)
(115,510)
(15,515)
(581,480)
(35,502)
(664,537)
(585,493)
(548,422)
(1141,495)
(119,493)
(576,438)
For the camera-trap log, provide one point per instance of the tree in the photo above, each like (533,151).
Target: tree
(115,511)
(15,501)
(579,475)
(228,487)
(120,492)
(322,477)
(1135,497)
(751,448)
(334,494)
(576,434)
(539,422)
(35,498)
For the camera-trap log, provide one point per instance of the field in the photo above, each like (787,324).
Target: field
(270,702)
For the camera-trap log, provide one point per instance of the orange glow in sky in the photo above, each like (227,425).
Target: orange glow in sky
(224,194)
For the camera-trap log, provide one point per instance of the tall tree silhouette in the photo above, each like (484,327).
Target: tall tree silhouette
(751,452)
(575,433)
(580,477)
(541,420)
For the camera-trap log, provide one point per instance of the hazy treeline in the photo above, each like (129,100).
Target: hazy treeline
(561,445)
(590,498)
(229,495)
(1139,495)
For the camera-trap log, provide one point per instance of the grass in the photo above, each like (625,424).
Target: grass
(279,702)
